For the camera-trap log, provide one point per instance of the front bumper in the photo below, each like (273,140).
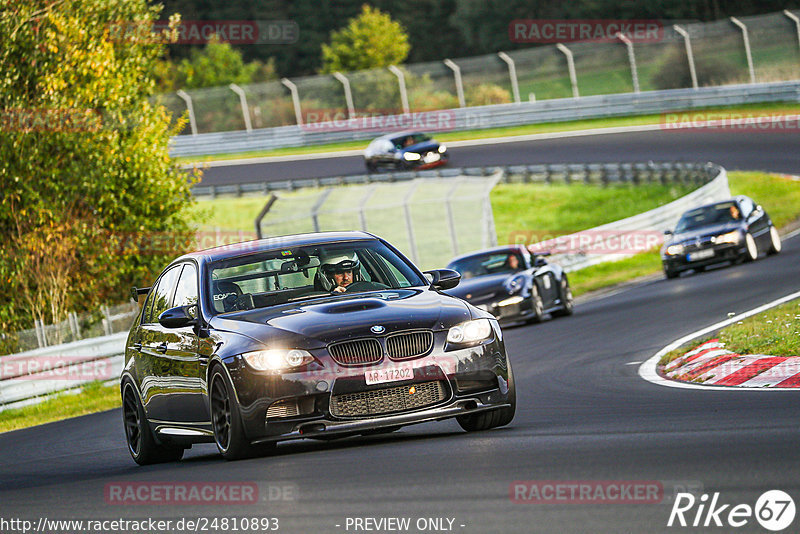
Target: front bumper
(721,253)
(472,379)
(515,311)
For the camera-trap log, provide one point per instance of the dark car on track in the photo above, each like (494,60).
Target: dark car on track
(513,284)
(308,336)
(734,230)
(403,151)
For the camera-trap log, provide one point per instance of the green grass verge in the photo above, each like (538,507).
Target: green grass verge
(95,397)
(775,332)
(528,129)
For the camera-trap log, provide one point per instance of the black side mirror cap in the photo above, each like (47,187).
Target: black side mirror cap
(179,317)
(442,279)
(667,232)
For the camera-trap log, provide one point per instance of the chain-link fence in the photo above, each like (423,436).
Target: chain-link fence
(762,48)
(108,320)
(428,219)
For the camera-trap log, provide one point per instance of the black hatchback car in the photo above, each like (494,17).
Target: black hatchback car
(513,284)
(309,336)
(403,151)
(734,230)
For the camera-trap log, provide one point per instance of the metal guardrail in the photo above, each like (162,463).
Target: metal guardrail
(481,117)
(597,173)
(77,363)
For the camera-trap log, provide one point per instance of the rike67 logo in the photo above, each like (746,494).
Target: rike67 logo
(774,510)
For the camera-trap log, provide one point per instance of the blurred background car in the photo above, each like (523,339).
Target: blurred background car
(405,150)
(734,230)
(512,284)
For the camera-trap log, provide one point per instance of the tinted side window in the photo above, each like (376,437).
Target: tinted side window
(162,294)
(186,292)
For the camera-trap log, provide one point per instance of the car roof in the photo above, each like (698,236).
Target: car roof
(519,249)
(394,135)
(272,243)
(737,199)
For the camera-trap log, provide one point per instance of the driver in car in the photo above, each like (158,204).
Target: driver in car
(340,270)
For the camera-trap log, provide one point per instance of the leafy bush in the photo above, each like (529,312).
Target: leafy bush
(486,94)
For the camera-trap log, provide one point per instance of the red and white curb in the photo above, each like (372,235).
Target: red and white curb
(719,367)
(712,364)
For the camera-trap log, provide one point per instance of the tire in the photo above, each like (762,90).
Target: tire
(371,167)
(494,418)
(142,445)
(775,241)
(566,299)
(226,420)
(751,252)
(670,274)
(537,306)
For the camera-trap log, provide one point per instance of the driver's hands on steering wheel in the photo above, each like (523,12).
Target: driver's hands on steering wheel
(339,289)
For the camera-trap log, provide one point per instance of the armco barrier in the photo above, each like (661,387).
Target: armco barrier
(480,117)
(19,389)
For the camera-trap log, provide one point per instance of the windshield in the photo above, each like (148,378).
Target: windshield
(281,276)
(410,139)
(721,213)
(485,264)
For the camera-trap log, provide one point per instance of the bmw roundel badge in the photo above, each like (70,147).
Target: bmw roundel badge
(377,329)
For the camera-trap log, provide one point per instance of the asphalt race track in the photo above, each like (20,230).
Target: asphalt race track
(777,151)
(583,414)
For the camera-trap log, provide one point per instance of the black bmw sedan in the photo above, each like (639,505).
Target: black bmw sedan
(735,230)
(308,336)
(403,151)
(512,284)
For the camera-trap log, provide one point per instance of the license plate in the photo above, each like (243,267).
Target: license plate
(431,157)
(390,374)
(700,255)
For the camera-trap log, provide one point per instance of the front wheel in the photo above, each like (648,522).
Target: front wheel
(226,420)
(566,299)
(774,241)
(495,418)
(537,306)
(751,248)
(141,443)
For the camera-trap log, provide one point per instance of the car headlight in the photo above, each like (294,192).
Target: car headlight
(277,359)
(442,149)
(514,284)
(411,156)
(674,250)
(730,237)
(470,331)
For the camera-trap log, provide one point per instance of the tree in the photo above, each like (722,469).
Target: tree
(371,40)
(219,64)
(92,202)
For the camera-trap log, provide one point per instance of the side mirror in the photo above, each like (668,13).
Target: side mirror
(179,317)
(539,261)
(667,232)
(442,279)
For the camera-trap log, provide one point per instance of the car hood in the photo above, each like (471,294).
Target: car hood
(480,285)
(421,148)
(715,229)
(317,322)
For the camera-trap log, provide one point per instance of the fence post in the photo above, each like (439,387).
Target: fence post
(401,80)
(38,327)
(190,108)
(362,216)
(512,73)
(573,78)
(689,54)
(243,102)
(631,60)
(796,21)
(747,53)
(298,112)
(412,243)
(459,84)
(348,95)
(73,325)
(451,222)
(317,205)
(106,320)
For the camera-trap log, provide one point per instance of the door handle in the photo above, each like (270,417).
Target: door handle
(138,347)
(162,348)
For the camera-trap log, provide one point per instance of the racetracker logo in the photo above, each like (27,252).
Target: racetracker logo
(732,122)
(589,242)
(336,120)
(193,32)
(55,367)
(774,510)
(195,493)
(586,491)
(567,31)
